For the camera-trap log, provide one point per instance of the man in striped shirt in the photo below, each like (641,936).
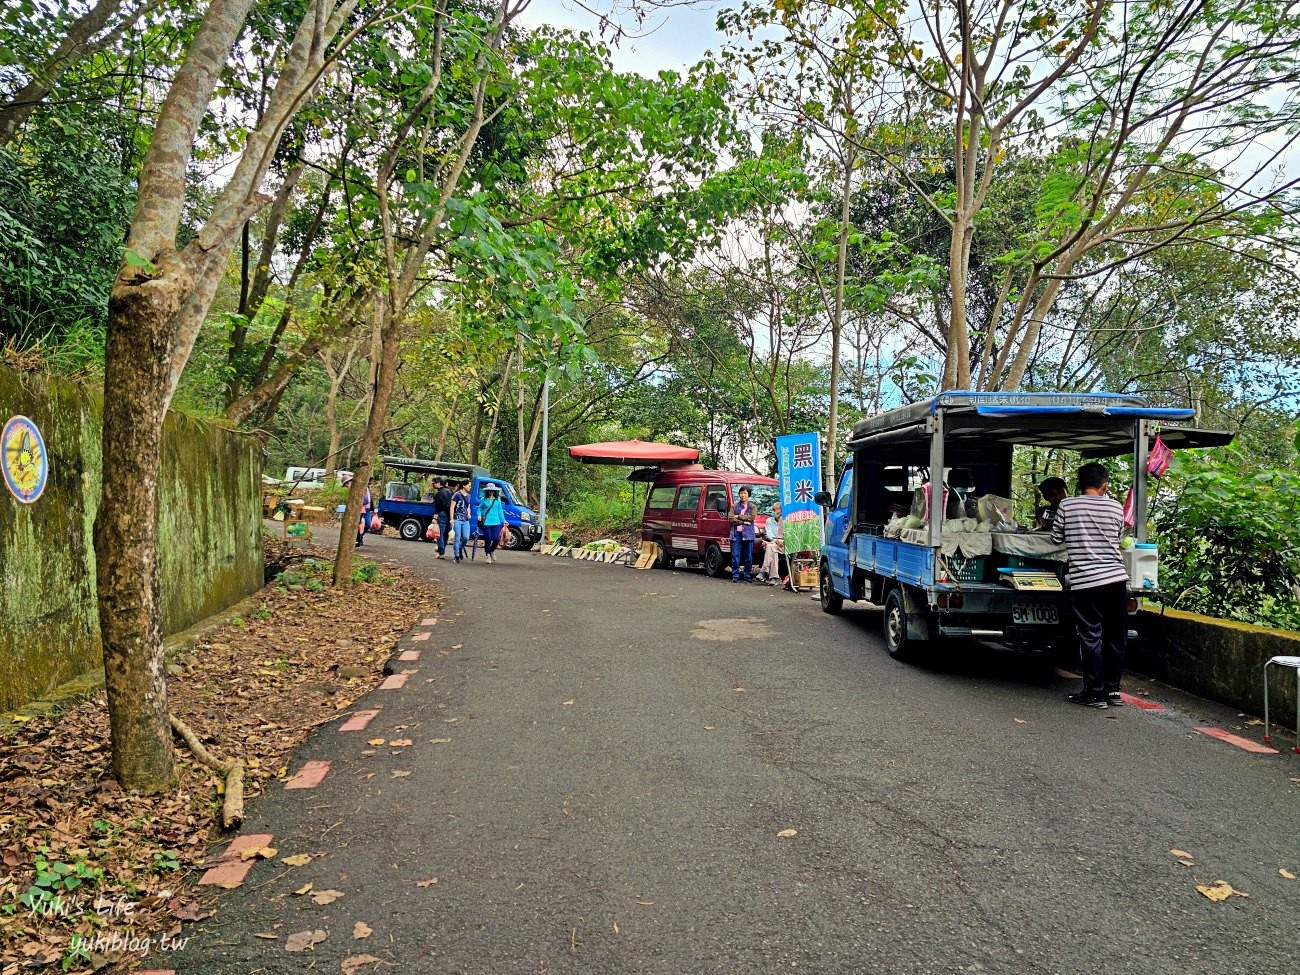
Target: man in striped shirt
(1090,525)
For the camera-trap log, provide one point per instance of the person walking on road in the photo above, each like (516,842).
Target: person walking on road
(1090,525)
(460,519)
(442,514)
(742,536)
(491,516)
(367,506)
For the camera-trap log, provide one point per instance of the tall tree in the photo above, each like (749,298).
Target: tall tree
(159,300)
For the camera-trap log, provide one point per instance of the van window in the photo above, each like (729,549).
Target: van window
(716,500)
(688,498)
(661,497)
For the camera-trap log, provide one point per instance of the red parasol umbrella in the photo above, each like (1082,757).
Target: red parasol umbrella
(633,453)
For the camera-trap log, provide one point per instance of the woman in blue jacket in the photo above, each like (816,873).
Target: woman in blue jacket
(491,516)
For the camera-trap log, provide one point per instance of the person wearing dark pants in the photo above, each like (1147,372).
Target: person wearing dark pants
(1090,525)
(491,516)
(442,513)
(742,537)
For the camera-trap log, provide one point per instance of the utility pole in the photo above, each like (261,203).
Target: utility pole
(546,446)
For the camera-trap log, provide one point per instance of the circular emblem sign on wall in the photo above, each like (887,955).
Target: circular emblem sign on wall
(23,460)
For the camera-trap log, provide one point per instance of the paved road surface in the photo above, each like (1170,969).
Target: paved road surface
(652,772)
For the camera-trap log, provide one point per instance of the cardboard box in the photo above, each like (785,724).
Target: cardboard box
(805,577)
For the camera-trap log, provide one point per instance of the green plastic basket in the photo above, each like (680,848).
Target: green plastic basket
(964,569)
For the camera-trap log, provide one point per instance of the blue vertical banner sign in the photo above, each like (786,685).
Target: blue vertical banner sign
(799,469)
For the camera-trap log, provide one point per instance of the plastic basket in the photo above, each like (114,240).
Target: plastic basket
(964,569)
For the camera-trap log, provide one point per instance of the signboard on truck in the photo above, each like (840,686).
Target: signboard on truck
(799,469)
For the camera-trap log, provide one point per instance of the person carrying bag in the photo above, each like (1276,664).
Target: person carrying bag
(491,519)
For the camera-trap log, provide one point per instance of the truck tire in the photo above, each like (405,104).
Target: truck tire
(897,641)
(831,601)
(714,565)
(516,539)
(411,530)
(665,561)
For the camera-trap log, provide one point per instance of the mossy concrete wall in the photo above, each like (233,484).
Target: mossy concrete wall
(210,544)
(1219,659)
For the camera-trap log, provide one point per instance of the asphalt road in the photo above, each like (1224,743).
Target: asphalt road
(615,771)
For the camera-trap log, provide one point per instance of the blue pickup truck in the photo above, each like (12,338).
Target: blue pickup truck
(407,504)
(970,572)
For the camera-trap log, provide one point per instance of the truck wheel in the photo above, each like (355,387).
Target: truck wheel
(832,602)
(713,562)
(665,561)
(896,641)
(411,530)
(516,539)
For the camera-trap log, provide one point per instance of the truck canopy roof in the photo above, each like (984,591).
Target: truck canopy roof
(1096,424)
(445,468)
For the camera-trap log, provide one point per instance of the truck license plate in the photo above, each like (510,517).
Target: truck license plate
(1034,613)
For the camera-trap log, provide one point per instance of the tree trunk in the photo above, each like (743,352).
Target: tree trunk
(446,425)
(837,320)
(76,45)
(478,426)
(385,377)
(126,534)
(521,455)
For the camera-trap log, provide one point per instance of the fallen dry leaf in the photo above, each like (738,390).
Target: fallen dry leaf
(1221,891)
(298,860)
(265,852)
(1020,721)
(354,963)
(1180,854)
(426,883)
(439,741)
(304,940)
(400,743)
(400,774)
(375,741)
(788,832)
(1287,874)
(323,897)
(567,703)
(305,889)
(266,935)
(646,903)
(55,767)
(1187,863)
(361,930)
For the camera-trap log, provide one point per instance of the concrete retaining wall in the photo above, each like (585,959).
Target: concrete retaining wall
(210,534)
(1218,659)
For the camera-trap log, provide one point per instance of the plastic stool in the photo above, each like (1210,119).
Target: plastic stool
(1294,664)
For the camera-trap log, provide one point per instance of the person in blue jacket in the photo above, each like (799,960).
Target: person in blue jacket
(491,516)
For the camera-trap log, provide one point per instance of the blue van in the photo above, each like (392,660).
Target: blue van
(407,504)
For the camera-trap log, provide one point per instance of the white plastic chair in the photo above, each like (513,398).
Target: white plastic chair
(1294,664)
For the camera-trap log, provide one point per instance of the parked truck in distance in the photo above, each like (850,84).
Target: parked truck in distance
(905,529)
(407,501)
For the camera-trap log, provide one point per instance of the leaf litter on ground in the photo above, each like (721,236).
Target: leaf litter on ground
(234,688)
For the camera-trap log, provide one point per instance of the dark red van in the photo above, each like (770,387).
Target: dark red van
(686,513)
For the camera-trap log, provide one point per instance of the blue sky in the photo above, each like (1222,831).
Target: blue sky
(674,38)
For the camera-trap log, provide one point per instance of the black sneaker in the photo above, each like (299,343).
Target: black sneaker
(1114,699)
(1088,701)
